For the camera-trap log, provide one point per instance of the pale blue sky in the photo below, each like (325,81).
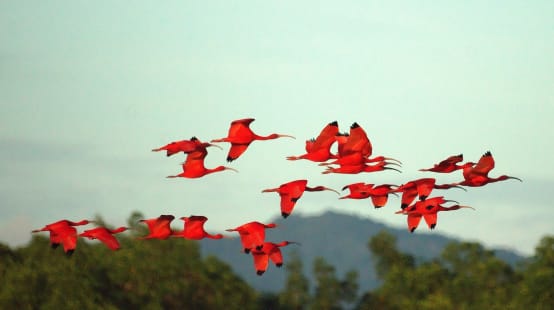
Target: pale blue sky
(87,89)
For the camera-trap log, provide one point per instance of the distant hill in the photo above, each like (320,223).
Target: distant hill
(339,238)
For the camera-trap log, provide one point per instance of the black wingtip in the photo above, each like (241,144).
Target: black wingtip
(377,207)
(488,153)
(279,265)
(260,272)
(54,245)
(334,123)
(433,226)
(354,125)
(246,251)
(412,229)
(69,253)
(403,206)
(194,138)
(285,215)
(230,159)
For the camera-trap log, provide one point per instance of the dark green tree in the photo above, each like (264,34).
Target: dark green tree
(296,294)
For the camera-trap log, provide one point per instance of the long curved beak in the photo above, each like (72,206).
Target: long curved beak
(286,136)
(232,169)
(390,168)
(270,190)
(390,158)
(467,207)
(330,189)
(219,147)
(515,178)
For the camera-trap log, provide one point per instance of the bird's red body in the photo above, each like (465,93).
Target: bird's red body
(185,146)
(292,191)
(319,149)
(419,187)
(355,149)
(105,235)
(379,194)
(427,209)
(252,235)
(62,232)
(194,228)
(240,136)
(448,165)
(478,174)
(159,227)
(193,167)
(270,251)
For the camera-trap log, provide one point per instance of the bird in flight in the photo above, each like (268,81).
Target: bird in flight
(448,165)
(185,146)
(427,209)
(476,175)
(319,149)
(420,187)
(240,136)
(105,235)
(379,194)
(292,191)
(159,227)
(63,232)
(252,235)
(194,228)
(194,167)
(270,251)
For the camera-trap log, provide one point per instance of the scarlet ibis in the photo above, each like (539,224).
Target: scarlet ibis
(63,232)
(477,175)
(354,169)
(185,146)
(194,228)
(194,168)
(240,136)
(359,190)
(379,194)
(159,227)
(319,149)
(420,187)
(252,235)
(269,251)
(357,149)
(427,209)
(292,191)
(105,235)
(448,165)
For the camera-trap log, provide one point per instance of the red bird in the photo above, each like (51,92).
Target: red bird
(240,136)
(420,187)
(357,149)
(252,235)
(185,146)
(159,227)
(354,169)
(319,149)
(105,235)
(379,194)
(269,251)
(63,232)
(194,229)
(193,167)
(448,165)
(427,209)
(478,174)
(292,191)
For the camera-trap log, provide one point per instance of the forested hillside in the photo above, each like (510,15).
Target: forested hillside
(172,274)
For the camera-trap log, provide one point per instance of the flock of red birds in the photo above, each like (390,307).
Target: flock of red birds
(353,156)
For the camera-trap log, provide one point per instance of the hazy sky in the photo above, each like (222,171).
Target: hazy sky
(87,89)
